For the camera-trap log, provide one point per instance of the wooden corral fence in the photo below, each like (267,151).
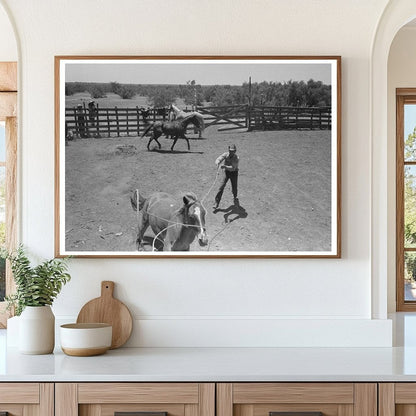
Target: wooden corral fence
(247,117)
(111,122)
(286,118)
(230,117)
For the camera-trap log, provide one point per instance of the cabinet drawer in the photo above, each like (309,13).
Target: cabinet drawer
(21,399)
(138,393)
(397,399)
(146,399)
(296,399)
(19,393)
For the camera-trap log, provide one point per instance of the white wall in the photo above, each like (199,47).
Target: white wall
(203,302)
(401,74)
(8,46)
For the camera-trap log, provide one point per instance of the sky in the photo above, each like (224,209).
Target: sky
(206,73)
(409,119)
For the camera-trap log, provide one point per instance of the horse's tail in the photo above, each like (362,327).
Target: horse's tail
(147,130)
(137,199)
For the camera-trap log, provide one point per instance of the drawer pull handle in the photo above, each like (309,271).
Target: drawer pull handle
(140,414)
(295,413)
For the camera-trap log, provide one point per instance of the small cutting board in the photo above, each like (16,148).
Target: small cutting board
(107,309)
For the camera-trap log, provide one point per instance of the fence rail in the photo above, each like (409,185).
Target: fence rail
(111,122)
(285,118)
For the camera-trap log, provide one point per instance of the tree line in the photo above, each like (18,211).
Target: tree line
(409,206)
(292,93)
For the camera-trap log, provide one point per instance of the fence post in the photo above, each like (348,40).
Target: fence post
(117,122)
(248,117)
(87,120)
(76,123)
(127,121)
(108,124)
(138,120)
(297,117)
(97,126)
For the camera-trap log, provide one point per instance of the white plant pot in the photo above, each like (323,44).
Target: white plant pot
(37,330)
(12,334)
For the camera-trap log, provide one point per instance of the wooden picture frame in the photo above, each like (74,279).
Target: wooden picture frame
(8,119)
(117,124)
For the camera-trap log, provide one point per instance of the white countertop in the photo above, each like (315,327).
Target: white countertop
(215,364)
(221,364)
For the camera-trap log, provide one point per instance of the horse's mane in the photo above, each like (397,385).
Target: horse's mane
(190,196)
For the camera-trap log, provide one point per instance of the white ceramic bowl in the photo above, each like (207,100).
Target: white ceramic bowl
(84,340)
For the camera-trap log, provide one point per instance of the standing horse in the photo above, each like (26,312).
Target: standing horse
(177,225)
(176,128)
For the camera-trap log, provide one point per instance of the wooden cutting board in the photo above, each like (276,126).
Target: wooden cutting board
(108,310)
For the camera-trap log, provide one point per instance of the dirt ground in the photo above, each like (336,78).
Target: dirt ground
(284,189)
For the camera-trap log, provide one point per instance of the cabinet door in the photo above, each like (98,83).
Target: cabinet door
(297,399)
(26,399)
(141,399)
(397,399)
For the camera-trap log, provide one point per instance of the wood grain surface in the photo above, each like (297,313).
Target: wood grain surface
(8,76)
(84,352)
(109,310)
(171,393)
(252,393)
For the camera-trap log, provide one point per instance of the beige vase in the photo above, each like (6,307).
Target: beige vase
(37,330)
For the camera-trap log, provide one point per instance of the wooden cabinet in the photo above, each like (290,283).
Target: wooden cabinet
(27,399)
(264,399)
(106,399)
(208,399)
(397,399)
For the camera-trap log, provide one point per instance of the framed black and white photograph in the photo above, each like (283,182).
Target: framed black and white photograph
(198,156)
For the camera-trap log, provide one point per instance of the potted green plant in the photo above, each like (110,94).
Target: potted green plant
(36,289)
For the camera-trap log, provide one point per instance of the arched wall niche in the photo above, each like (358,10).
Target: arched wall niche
(396,15)
(9,44)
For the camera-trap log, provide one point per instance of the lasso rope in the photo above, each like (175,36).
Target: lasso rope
(160,232)
(210,189)
(137,204)
(172,224)
(217,234)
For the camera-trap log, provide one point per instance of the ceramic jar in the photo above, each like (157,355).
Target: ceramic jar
(37,330)
(13,332)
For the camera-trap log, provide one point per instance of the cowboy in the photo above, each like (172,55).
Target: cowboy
(229,167)
(93,117)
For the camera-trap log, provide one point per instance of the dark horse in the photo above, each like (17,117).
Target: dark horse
(176,129)
(174,224)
